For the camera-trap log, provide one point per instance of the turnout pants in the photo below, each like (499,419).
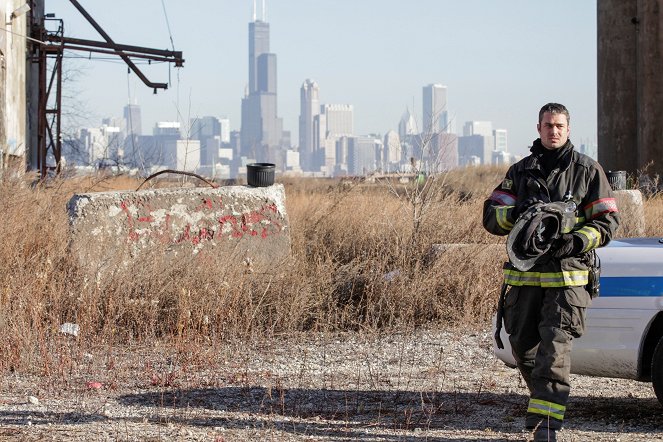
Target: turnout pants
(542,323)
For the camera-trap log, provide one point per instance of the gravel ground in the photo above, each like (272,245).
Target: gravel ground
(419,386)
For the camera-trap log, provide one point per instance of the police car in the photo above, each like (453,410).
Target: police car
(624,327)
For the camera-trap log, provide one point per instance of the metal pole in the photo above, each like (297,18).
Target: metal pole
(126,59)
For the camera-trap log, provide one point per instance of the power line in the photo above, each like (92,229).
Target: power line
(163,5)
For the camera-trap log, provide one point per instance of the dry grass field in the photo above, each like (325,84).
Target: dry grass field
(362,260)
(366,331)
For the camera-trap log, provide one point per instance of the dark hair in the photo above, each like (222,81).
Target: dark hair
(554,108)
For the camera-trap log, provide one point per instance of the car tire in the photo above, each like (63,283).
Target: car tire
(657,370)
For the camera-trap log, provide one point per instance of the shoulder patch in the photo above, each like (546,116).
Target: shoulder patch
(507,184)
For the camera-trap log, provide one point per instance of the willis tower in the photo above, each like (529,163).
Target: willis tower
(261,130)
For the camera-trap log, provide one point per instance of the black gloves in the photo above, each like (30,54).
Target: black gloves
(565,246)
(522,207)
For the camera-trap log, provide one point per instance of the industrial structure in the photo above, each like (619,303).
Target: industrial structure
(31,89)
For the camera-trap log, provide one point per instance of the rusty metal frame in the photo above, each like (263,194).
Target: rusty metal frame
(49,139)
(49,119)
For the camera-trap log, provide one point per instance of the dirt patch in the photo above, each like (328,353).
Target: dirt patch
(418,386)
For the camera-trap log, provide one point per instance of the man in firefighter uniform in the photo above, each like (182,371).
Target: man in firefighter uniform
(544,308)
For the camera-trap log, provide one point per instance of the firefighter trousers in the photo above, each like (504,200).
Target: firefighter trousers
(542,323)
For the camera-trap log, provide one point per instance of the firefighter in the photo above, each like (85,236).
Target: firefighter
(544,307)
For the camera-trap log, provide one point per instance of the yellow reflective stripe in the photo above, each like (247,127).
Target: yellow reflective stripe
(580,222)
(592,236)
(518,278)
(501,217)
(563,279)
(546,408)
(546,279)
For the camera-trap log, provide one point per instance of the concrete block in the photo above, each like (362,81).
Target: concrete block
(246,224)
(631,209)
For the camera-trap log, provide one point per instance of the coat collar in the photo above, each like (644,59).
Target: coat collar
(533,160)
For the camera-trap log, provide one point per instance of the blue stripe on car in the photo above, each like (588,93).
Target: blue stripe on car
(631,286)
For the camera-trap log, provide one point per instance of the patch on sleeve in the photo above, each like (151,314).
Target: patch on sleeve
(507,184)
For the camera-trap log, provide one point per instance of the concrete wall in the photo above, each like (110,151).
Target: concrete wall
(240,223)
(630,85)
(12,82)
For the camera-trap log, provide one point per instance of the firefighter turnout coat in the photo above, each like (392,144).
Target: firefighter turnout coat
(576,177)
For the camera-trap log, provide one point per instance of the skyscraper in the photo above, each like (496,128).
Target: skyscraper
(392,151)
(407,126)
(132,119)
(361,155)
(309,108)
(261,130)
(134,129)
(477,143)
(333,122)
(208,131)
(435,116)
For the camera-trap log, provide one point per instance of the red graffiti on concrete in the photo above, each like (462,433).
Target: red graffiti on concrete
(262,223)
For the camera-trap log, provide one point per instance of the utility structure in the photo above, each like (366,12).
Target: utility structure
(47,49)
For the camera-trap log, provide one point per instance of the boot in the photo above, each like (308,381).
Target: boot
(544,434)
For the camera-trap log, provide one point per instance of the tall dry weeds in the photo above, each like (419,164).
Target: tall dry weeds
(351,268)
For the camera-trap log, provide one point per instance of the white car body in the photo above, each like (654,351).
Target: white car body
(625,323)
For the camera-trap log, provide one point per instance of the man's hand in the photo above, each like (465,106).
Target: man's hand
(565,246)
(522,207)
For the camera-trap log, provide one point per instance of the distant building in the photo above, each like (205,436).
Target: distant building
(341,146)
(207,130)
(225,130)
(157,150)
(167,129)
(475,146)
(309,109)
(133,129)
(333,121)
(407,126)
(204,127)
(98,146)
(261,129)
(477,141)
(392,157)
(501,140)
(361,155)
(133,120)
(501,157)
(186,155)
(445,152)
(292,162)
(435,115)
(339,117)
(483,128)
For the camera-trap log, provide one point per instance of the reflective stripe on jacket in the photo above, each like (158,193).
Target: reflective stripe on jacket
(578,177)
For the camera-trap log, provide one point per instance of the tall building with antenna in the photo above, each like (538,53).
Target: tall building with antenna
(262,130)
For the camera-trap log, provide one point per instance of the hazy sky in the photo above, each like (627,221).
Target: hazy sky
(501,60)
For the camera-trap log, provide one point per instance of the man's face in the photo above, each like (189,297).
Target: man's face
(554,130)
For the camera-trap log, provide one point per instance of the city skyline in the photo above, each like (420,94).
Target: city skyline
(359,66)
